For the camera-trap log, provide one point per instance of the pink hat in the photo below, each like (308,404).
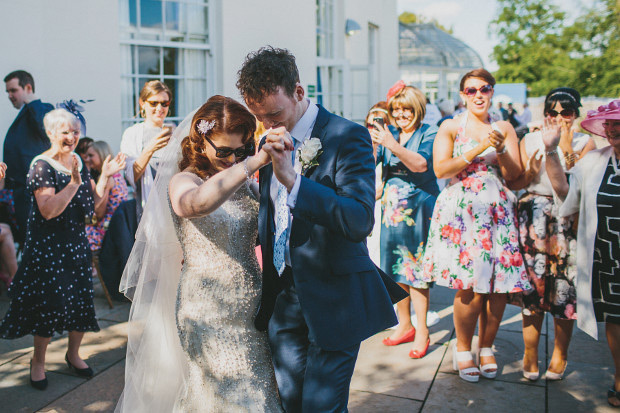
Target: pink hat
(594,121)
(398,86)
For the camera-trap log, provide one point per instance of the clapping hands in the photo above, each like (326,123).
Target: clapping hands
(112,166)
(2,170)
(551,133)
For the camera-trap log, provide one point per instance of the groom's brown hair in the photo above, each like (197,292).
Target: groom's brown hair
(265,70)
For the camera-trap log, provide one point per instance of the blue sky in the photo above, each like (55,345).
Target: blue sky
(470,19)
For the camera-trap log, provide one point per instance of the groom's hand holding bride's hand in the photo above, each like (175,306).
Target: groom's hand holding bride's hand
(279,145)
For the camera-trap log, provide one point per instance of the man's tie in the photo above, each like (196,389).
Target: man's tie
(282,220)
(282,214)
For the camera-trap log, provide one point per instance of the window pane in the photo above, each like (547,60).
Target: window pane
(172,84)
(127,97)
(172,16)
(150,14)
(148,60)
(171,57)
(195,60)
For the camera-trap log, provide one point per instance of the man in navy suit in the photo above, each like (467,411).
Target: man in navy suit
(25,139)
(322,295)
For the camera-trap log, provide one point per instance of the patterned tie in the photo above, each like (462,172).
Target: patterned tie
(282,214)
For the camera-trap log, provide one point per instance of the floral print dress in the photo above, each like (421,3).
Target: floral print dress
(473,239)
(407,205)
(118,194)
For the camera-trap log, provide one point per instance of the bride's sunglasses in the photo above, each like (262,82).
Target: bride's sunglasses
(240,153)
(471,91)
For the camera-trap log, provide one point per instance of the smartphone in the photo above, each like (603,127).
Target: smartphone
(379,120)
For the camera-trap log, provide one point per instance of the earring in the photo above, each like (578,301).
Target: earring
(142,112)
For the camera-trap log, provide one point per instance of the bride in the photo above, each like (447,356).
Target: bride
(194,278)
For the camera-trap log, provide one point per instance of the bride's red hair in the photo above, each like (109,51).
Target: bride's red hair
(228,117)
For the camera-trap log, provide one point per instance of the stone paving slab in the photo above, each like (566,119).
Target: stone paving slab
(583,389)
(100,394)
(17,395)
(452,394)
(390,371)
(364,402)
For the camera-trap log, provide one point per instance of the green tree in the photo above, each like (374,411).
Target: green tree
(412,18)
(594,42)
(537,46)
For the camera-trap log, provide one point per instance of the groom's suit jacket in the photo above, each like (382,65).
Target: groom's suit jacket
(343,296)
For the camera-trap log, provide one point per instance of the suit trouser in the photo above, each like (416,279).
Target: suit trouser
(310,379)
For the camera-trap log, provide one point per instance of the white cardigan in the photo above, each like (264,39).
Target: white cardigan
(131,145)
(585,180)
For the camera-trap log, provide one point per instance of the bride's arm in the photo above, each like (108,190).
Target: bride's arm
(191,198)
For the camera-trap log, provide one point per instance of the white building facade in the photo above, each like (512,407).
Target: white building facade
(106,49)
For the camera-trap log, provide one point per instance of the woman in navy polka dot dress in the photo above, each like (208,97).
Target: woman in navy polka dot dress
(52,291)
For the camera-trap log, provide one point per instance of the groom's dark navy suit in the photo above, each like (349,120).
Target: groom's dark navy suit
(333,296)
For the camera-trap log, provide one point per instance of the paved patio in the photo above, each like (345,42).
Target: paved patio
(385,379)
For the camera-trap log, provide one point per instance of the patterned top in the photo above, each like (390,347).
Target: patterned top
(118,194)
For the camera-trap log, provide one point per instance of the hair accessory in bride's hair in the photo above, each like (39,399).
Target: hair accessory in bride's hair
(204,126)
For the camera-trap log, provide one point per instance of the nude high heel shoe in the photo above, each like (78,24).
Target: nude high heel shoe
(549,375)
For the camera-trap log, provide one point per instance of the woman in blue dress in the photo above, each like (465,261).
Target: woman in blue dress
(409,193)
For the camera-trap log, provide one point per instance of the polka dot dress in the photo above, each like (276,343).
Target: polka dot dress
(53,289)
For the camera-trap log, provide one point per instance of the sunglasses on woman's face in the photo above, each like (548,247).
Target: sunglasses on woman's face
(471,91)
(240,153)
(565,113)
(155,103)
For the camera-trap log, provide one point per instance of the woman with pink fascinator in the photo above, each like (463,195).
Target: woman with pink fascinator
(594,191)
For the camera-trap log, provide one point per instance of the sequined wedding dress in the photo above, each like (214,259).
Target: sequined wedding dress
(230,368)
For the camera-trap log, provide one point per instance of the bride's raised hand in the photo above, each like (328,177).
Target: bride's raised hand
(550,133)
(261,158)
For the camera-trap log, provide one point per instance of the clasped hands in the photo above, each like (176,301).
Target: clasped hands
(277,149)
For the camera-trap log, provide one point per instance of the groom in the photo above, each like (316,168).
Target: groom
(322,295)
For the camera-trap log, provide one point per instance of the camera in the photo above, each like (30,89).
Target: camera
(379,120)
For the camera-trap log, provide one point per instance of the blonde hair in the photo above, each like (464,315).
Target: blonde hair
(102,149)
(410,98)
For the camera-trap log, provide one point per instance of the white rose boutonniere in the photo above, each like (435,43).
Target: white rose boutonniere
(307,155)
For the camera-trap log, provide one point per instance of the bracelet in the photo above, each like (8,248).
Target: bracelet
(245,169)
(503,151)
(549,153)
(465,159)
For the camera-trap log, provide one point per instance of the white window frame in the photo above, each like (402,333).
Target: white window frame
(144,36)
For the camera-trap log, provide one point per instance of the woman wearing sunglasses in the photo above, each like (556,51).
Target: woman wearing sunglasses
(548,241)
(409,193)
(142,141)
(473,244)
(193,275)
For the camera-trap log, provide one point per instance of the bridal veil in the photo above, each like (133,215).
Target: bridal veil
(156,367)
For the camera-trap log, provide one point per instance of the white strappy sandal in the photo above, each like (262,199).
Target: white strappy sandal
(484,369)
(466,373)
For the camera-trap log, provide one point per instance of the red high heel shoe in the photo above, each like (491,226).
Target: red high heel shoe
(407,338)
(415,354)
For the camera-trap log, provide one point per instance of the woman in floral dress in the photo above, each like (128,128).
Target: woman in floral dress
(115,192)
(548,242)
(409,194)
(473,240)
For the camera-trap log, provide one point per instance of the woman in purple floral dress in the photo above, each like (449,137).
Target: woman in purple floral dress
(116,192)
(473,241)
